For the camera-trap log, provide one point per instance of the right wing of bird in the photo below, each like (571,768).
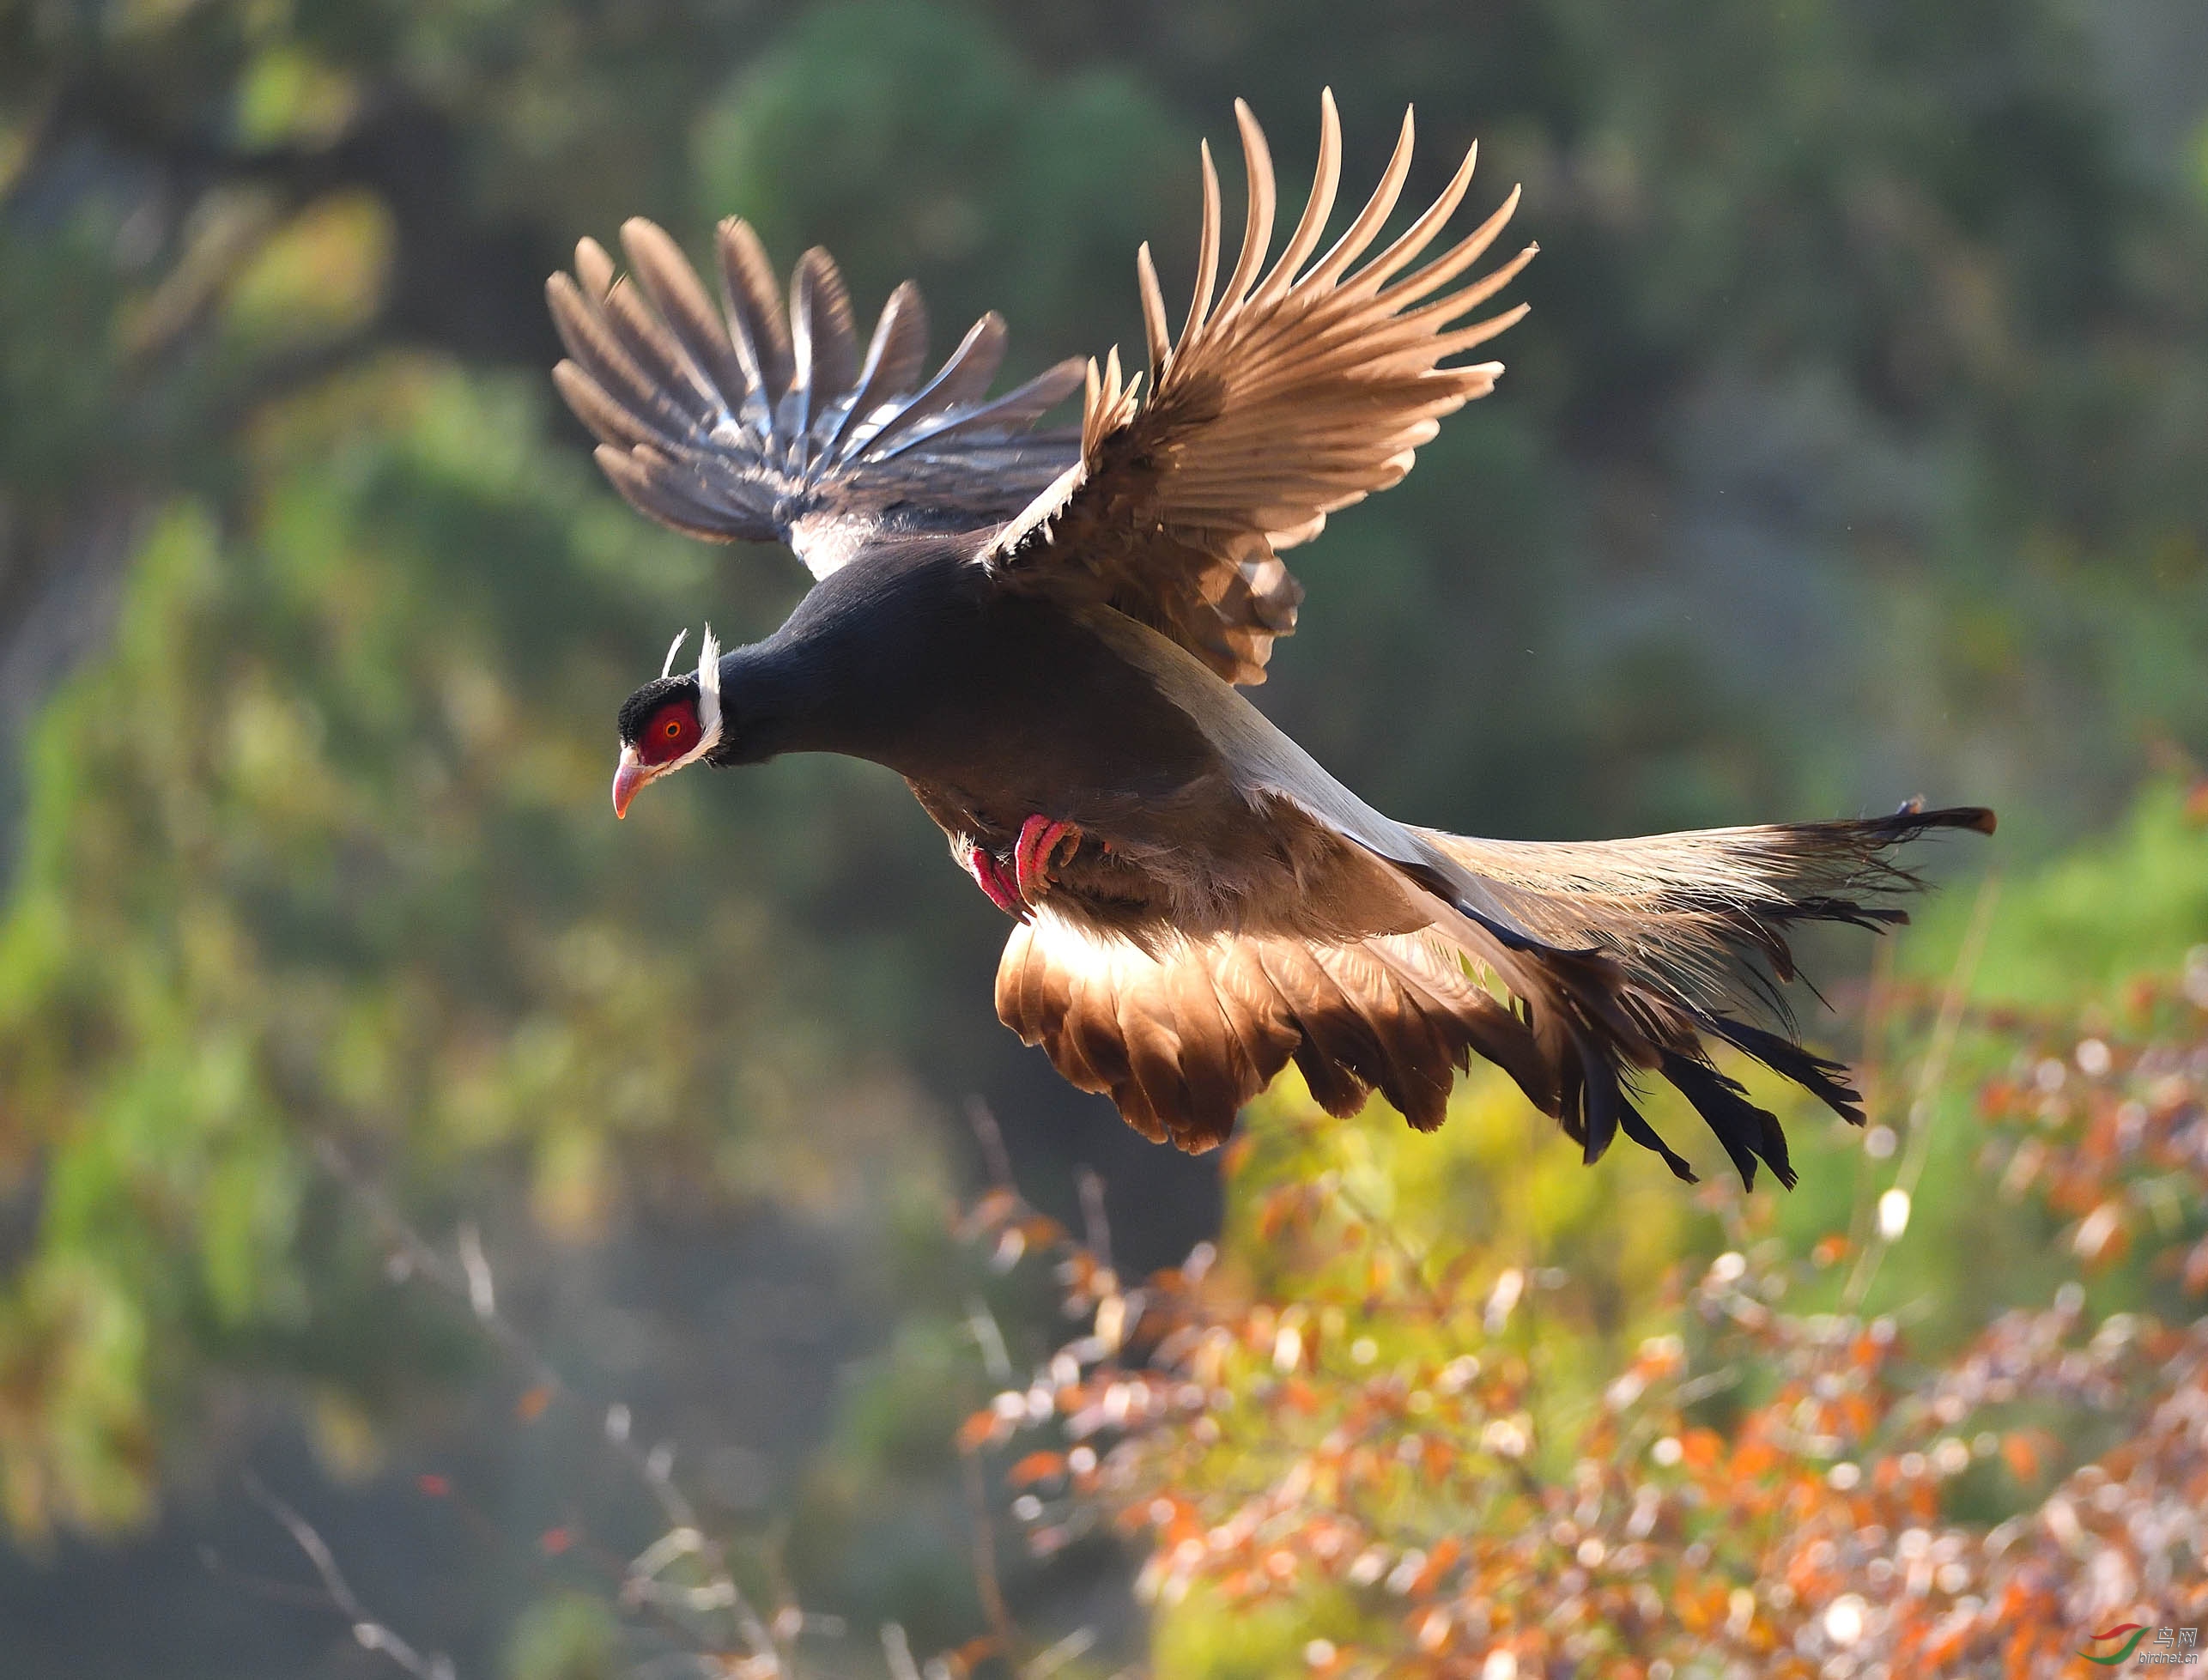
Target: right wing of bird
(755,424)
(1299,388)
(1180,1040)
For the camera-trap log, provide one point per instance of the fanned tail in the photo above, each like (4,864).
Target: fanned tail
(1628,956)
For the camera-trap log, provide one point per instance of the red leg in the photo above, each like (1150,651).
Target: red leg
(989,874)
(1040,838)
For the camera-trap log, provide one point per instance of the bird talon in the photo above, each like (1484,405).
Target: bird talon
(1037,852)
(989,874)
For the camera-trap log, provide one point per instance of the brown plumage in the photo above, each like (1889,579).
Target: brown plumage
(1041,632)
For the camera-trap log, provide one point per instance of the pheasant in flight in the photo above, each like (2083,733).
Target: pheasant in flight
(1044,633)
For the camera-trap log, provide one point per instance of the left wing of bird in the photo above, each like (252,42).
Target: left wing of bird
(761,425)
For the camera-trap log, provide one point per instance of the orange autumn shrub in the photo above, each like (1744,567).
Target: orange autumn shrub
(1456,1406)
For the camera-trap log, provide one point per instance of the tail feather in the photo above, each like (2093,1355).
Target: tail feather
(1630,954)
(1704,915)
(1827,1080)
(1750,1134)
(1647,1135)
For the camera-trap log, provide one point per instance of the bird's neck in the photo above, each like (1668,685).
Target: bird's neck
(772,702)
(869,648)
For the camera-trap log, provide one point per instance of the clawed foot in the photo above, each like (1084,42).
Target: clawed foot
(1004,891)
(1045,845)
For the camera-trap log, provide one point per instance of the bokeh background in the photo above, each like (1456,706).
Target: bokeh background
(1856,447)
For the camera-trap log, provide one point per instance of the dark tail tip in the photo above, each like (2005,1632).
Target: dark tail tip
(1913,815)
(1979,817)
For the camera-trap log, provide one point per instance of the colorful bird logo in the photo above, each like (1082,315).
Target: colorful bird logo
(2137,1633)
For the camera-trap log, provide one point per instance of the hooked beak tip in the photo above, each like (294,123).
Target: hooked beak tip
(628,777)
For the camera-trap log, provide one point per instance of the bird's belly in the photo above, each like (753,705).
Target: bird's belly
(1204,860)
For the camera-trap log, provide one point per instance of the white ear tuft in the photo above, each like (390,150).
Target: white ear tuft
(709,682)
(673,648)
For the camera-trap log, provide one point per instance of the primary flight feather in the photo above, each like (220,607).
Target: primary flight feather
(1042,631)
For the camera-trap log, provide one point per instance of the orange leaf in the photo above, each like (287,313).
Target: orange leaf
(975,1652)
(1753,1458)
(1700,1447)
(1036,1467)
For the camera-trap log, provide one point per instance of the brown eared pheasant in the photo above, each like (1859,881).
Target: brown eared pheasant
(1044,632)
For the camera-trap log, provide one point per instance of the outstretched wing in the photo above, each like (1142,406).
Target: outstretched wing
(761,426)
(1298,391)
(1181,1039)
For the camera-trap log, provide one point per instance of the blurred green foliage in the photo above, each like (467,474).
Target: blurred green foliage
(2129,901)
(570,1637)
(1854,449)
(319,848)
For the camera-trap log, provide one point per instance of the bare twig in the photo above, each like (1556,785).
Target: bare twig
(263,1586)
(482,1293)
(982,1324)
(453,1277)
(1075,1646)
(469,1282)
(1090,1184)
(986,1584)
(897,1651)
(990,1137)
(368,1632)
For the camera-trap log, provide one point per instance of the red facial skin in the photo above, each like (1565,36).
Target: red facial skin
(673,732)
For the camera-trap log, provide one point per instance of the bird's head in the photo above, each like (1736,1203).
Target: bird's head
(671,721)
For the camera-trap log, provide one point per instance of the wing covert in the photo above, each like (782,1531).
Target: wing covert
(744,421)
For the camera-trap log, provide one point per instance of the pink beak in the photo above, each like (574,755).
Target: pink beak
(629,775)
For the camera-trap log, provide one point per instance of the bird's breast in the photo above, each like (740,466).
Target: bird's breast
(1014,700)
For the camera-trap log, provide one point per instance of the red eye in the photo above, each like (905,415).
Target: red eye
(673,732)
